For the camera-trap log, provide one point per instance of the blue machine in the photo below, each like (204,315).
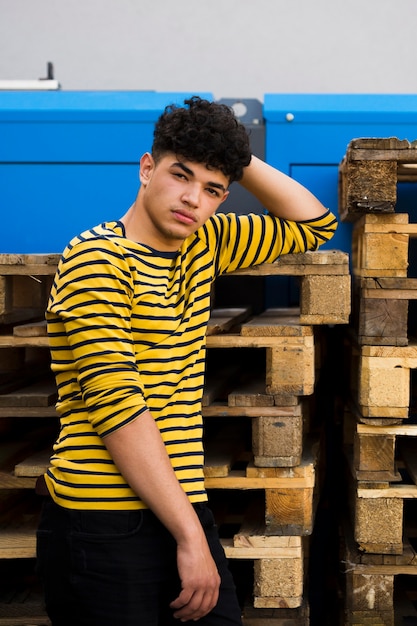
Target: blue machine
(69,160)
(307,137)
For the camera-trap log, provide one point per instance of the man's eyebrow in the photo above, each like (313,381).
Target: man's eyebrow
(190,172)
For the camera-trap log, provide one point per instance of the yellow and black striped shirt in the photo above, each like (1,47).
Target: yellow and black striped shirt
(127,327)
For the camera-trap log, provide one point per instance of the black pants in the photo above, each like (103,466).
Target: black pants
(118,568)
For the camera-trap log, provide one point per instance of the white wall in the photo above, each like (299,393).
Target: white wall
(232,48)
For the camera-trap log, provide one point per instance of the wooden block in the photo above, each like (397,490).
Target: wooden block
(370,593)
(374,454)
(290,368)
(290,511)
(367,186)
(378,318)
(384,380)
(290,508)
(278,582)
(369,173)
(379,524)
(277,441)
(380,245)
(325,299)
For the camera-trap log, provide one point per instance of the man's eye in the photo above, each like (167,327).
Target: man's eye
(213,192)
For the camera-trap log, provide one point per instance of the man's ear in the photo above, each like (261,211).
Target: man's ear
(147,165)
(226,193)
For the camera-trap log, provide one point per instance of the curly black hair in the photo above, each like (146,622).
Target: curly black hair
(203,132)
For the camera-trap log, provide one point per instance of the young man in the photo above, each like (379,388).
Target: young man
(126,537)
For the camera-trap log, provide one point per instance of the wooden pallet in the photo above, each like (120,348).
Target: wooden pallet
(373,594)
(377,507)
(380,380)
(278,566)
(381,287)
(369,174)
(299,616)
(290,494)
(375,449)
(323,276)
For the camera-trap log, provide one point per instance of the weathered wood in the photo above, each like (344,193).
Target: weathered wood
(250,393)
(381,379)
(289,360)
(32,329)
(34,465)
(327,262)
(39,394)
(374,457)
(380,310)
(275,322)
(279,583)
(278,441)
(369,173)
(223,320)
(325,299)
(299,616)
(28,264)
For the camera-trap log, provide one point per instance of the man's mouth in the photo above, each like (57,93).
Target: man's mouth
(184,216)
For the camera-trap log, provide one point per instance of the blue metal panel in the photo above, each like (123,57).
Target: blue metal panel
(69,160)
(48,205)
(307,137)
(87,106)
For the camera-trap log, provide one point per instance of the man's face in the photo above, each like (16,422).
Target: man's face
(176,197)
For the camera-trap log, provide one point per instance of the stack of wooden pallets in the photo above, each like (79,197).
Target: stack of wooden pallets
(380,425)
(270,472)
(262,461)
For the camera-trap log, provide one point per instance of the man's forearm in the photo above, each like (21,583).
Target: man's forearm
(279,194)
(141,457)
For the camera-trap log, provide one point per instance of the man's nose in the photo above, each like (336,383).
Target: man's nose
(191,195)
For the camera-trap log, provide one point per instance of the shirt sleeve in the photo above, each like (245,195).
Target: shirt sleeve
(245,240)
(89,331)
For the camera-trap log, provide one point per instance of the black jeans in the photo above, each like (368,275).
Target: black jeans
(118,568)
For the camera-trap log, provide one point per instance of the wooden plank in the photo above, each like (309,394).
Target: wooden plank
(28,264)
(275,322)
(223,320)
(31,329)
(276,617)
(34,465)
(40,394)
(384,148)
(9,341)
(251,393)
(287,548)
(326,262)
(237,479)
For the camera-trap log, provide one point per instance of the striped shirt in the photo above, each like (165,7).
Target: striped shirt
(127,327)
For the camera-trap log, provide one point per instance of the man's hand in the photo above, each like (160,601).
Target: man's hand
(200,582)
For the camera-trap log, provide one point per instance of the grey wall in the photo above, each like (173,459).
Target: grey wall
(232,48)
